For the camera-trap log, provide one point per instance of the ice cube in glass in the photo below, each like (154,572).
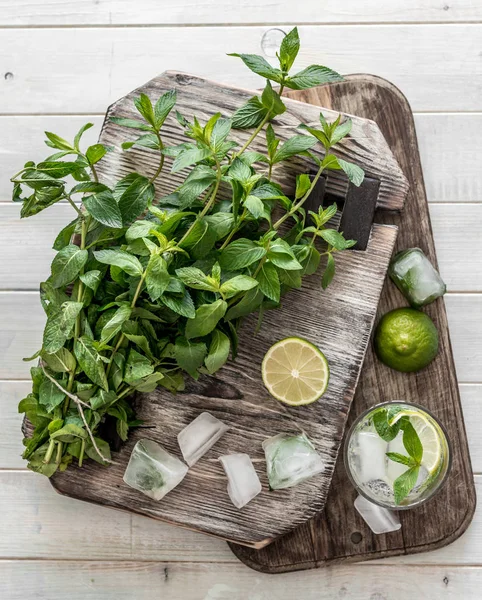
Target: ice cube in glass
(378,519)
(243,481)
(416,277)
(199,436)
(152,470)
(290,459)
(371,449)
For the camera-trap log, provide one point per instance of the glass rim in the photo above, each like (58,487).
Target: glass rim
(379,502)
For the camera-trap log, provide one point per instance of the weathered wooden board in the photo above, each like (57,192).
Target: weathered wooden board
(196,96)
(339,321)
(329,538)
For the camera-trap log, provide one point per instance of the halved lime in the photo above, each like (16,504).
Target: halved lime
(428,434)
(295,371)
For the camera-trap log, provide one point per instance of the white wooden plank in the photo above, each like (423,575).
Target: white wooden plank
(11,392)
(459,245)
(48,580)
(22,321)
(431,74)
(450,152)
(26,245)
(39,523)
(125,12)
(449,149)
(465,324)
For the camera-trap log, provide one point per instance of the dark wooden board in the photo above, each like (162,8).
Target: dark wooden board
(329,538)
(339,321)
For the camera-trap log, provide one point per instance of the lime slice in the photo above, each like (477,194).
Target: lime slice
(429,436)
(295,372)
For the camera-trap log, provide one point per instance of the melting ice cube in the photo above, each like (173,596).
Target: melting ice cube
(371,457)
(290,459)
(152,470)
(200,435)
(416,277)
(243,481)
(379,519)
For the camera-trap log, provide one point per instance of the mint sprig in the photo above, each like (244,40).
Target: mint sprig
(404,484)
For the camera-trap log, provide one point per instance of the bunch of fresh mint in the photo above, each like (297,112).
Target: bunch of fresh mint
(142,293)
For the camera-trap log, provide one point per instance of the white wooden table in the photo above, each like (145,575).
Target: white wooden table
(61,63)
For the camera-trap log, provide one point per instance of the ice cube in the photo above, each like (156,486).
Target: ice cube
(290,459)
(200,435)
(243,481)
(416,277)
(371,456)
(152,470)
(379,519)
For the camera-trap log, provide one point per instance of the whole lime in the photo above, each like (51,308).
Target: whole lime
(406,340)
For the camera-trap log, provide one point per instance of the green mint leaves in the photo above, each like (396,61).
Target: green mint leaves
(405,483)
(147,289)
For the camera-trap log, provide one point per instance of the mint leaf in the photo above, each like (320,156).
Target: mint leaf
(67,265)
(248,304)
(163,107)
(218,351)
(239,254)
(90,361)
(289,49)
(293,146)
(144,106)
(329,272)
(354,173)
(189,355)
(196,279)
(113,326)
(157,277)
(401,458)
(119,258)
(250,114)
(384,430)
(269,282)
(254,206)
(137,367)
(61,361)
(135,198)
(60,322)
(311,77)
(240,283)
(189,157)
(272,101)
(49,395)
(94,153)
(131,123)
(206,318)
(412,442)
(260,66)
(404,484)
(104,208)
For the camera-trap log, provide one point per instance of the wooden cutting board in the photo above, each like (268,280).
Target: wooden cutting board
(339,321)
(339,534)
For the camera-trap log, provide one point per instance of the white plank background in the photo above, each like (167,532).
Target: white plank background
(61,63)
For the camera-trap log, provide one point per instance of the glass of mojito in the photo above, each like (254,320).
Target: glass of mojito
(397,455)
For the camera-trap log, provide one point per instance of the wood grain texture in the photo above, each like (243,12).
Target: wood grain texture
(149,12)
(432,73)
(327,539)
(449,150)
(103,580)
(202,98)
(339,321)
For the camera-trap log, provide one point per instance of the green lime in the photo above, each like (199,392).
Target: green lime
(406,340)
(295,371)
